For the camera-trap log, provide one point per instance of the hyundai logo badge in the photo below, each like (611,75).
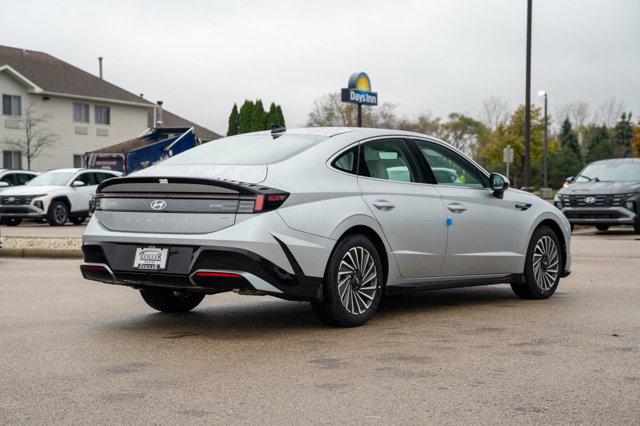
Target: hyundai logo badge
(590,200)
(158,204)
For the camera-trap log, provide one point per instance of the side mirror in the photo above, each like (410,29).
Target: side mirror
(569,180)
(498,184)
(4,184)
(77,183)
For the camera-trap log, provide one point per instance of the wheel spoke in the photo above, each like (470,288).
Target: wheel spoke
(357,280)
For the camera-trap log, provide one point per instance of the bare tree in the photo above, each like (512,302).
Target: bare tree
(494,112)
(37,137)
(329,110)
(577,112)
(609,112)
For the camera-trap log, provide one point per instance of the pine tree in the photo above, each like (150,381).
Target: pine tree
(599,146)
(234,121)
(622,136)
(258,117)
(569,138)
(272,115)
(635,142)
(246,115)
(563,164)
(280,121)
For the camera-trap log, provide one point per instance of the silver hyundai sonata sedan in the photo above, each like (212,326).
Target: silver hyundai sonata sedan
(338,217)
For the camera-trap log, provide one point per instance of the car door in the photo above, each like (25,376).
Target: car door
(410,212)
(482,231)
(82,194)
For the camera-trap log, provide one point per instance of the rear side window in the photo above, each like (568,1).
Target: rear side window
(250,149)
(388,159)
(9,178)
(347,162)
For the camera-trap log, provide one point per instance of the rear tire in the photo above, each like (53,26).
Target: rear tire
(12,221)
(602,227)
(543,266)
(169,301)
(352,284)
(78,220)
(58,213)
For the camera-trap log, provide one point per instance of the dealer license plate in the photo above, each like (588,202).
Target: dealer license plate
(151,258)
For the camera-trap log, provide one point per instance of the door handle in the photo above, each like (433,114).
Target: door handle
(383,205)
(456,208)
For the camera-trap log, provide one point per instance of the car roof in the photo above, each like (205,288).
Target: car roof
(618,160)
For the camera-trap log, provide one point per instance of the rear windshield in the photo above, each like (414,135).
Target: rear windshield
(247,150)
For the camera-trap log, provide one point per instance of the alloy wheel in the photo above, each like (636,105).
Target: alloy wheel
(60,214)
(546,263)
(357,280)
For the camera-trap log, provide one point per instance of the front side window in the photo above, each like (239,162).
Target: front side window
(449,167)
(12,159)
(388,159)
(87,178)
(81,113)
(102,115)
(11,105)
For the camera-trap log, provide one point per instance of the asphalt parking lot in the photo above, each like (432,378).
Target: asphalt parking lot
(74,351)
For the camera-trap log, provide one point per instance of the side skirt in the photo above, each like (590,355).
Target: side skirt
(452,282)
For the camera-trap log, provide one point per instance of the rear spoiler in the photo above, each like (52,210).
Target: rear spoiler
(184,185)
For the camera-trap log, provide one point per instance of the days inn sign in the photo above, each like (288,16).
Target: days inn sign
(359,90)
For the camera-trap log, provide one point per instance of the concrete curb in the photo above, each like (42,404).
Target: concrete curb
(42,253)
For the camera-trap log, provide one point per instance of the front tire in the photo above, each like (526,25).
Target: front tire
(543,266)
(169,301)
(58,213)
(352,284)
(12,221)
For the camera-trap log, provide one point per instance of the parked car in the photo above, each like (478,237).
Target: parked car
(10,178)
(56,196)
(323,215)
(605,193)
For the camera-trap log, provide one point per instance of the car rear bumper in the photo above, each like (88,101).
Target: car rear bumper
(600,215)
(206,269)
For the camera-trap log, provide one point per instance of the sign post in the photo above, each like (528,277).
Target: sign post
(359,92)
(507,157)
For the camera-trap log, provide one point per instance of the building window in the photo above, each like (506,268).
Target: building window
(12,159)
(11,105)
(103,115)
(77,161)
(81,113)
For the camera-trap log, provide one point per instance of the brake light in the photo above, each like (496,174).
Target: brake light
(206,274)
(265,203)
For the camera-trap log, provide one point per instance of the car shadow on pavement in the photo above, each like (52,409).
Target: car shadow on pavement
(237,321)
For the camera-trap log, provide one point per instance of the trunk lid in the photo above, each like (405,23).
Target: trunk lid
(177,205)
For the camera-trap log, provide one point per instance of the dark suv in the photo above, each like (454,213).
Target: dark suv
(604,194)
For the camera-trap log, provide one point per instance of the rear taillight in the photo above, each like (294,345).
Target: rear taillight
(261,203)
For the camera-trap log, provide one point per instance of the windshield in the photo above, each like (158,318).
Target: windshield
(610,171)
(248,149)
(55,178)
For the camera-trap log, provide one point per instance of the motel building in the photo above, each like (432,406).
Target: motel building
(84,111)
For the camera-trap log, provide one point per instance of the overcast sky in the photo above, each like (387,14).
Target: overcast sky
(440,56)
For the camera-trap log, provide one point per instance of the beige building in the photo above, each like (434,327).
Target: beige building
(83,111)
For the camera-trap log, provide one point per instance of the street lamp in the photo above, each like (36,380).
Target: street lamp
(544,155)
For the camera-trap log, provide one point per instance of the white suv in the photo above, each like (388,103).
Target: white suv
(56,196)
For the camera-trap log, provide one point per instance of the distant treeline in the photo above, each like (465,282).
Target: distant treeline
(252,117)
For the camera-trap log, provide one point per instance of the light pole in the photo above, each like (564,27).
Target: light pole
(526,175)
(544,152)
